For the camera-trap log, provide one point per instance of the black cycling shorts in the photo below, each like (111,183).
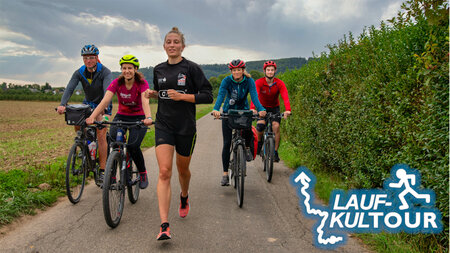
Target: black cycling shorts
(184,144)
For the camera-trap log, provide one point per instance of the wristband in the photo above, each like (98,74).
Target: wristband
(149,118)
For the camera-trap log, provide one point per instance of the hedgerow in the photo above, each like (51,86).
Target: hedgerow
(378,100)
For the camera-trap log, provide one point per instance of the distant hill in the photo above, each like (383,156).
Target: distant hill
(214,70)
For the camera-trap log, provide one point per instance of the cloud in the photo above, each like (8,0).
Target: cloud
(219,54)
(391,11)
(40,40)
(138,30)
(318,11)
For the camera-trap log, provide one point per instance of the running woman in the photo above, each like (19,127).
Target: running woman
(179,85)
(134,106)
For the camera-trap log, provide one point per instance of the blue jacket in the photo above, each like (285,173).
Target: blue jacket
(237,92)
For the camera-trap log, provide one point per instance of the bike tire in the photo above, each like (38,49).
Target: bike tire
(133,182)
(268,162)
(231,170)
(113,190)
(75,173)
(240,164)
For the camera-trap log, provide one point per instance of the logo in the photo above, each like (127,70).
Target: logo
(181,79)
(125,96)
(400,206)
(163,94)
(162,80)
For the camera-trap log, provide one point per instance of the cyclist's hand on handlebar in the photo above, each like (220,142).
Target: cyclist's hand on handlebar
(61,109)
(254,111)
(216,114)
(286,114)
(90,121)
(262,114)
(147,122)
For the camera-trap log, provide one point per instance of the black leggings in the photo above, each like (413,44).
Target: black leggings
(135,137)
(227,134)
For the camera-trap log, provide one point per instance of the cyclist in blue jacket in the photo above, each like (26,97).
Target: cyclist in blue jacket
(95,79)
(234,90)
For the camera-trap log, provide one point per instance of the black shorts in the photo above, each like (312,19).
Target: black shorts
(184,144)
(274,110)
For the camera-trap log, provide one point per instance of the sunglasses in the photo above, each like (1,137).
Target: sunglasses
(89,57)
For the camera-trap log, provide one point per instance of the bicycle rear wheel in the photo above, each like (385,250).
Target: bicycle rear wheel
(240,163)
(132,182)
(268,161)
(113,190)
(75,173)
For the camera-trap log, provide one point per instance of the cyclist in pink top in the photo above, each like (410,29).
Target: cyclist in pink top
(133,106)
(269,88)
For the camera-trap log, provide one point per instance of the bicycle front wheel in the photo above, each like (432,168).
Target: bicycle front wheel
(268,162)
(132,182)
(75,173)
(240,163)
(113,190)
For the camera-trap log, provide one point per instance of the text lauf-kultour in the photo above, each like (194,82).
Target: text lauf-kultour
(401,205)
(373,210)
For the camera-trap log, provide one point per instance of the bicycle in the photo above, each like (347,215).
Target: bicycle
(83,155)
(120,173)
(268,148)
(238,121)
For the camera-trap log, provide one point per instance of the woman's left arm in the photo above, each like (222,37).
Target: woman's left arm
(176,96)
(202,85)
(254,95)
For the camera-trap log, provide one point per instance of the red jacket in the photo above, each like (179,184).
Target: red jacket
(268,95)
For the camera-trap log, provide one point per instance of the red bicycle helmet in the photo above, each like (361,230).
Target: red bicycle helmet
(269,63)
(236,64)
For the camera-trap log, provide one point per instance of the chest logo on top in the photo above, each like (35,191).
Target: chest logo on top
(162,80)
(181,79)
(125,96)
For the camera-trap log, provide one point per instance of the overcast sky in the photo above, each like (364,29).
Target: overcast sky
(40,40)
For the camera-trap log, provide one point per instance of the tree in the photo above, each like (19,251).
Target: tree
(256,74)
(46,87)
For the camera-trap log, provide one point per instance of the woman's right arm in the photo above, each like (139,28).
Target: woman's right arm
(101,107)
(221,95)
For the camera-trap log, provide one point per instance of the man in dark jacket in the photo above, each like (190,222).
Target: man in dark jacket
(95,79)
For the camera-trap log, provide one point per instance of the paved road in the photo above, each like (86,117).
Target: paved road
(269,221)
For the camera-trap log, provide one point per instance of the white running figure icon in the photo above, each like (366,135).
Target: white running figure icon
(404,181)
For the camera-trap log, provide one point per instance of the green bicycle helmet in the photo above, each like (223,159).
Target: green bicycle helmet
(129,58)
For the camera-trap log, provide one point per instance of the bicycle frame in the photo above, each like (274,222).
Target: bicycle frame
(116,181)
(238,160)
(267,151)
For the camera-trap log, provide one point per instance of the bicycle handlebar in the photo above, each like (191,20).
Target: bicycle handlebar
(124,124)
(225,115)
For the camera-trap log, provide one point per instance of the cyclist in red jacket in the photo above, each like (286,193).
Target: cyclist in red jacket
(269,88)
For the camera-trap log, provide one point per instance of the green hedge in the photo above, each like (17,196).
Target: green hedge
(378,100)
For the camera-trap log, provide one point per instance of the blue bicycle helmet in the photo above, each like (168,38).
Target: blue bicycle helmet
(89,50)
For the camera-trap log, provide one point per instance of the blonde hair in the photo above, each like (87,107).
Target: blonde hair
(176,31)
(247,74)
